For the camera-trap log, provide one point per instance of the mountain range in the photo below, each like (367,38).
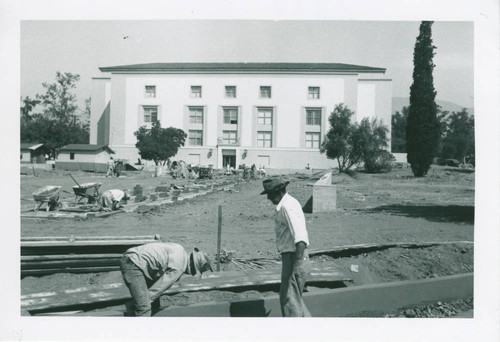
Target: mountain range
(399,102)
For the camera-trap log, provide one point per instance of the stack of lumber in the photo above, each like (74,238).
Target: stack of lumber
(48,255)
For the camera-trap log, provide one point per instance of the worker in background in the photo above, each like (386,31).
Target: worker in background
(112,199)
(111,167)
(151,269)
(292,241)
(262,171)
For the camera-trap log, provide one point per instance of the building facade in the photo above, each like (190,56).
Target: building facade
(268,114)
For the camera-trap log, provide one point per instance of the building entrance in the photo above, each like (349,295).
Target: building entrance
(229,158)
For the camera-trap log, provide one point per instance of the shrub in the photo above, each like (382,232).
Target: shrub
(350,143)
(380,162)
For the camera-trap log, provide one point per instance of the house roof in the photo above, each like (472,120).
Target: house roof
(30,146)
(240,68)
(85,147)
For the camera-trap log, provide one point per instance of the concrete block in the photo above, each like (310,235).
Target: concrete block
(163,194)
(137,190)
(324,195)
(139,198)
(162,188)
(153,197)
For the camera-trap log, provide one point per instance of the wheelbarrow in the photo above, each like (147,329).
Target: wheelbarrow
(48,194)
(90,191)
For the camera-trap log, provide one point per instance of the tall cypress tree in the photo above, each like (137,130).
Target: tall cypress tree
(422,129)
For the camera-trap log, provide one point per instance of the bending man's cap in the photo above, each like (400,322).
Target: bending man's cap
(201,262)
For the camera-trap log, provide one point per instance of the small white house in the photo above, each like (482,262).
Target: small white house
(32,153)
(84,157)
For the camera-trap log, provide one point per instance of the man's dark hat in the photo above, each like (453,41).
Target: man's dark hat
(273,184)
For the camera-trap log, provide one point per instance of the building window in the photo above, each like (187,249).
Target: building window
(265,116)
(229,137)
(313,117)
(231,116)
(265,92)
(196,115)
(72,156)
(231,91)
(195,138)
(264,139)
(195,91)
(150,91)
(314,92)
(312,140)
(150,114)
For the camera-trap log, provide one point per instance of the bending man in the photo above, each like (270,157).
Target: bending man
(151,269)
(111,199)
(292,241)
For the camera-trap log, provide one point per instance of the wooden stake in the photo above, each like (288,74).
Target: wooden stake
(219,233)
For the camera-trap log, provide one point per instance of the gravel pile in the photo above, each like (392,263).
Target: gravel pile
(436,310)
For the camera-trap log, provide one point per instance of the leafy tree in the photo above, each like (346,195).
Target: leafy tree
(423,128)
(27,107)
(458,137)
(399,122)
(350,143)
(58,101)
(85,118)
(338,143)
(398,131)
(159,144)
(57,125)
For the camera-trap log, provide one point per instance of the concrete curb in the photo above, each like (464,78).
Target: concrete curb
(345,302)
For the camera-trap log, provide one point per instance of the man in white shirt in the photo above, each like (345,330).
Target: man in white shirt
(292,241)
(151,269)
(110,200)
(111,167)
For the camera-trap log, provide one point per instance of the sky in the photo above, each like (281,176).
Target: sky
(82,46)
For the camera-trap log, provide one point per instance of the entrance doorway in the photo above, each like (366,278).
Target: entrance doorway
(229,158)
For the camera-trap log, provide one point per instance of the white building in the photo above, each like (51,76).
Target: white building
(270,114)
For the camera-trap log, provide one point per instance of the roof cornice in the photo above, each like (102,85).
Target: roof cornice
(245,68)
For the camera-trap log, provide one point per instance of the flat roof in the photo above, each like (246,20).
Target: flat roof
(240,68)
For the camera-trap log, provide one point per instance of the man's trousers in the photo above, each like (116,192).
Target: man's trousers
(293,280)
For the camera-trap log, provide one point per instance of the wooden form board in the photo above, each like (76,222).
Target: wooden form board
(362,248)
(82,245)
(212,281)
(89,238)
